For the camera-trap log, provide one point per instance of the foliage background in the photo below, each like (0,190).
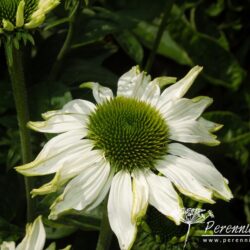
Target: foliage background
(105,39)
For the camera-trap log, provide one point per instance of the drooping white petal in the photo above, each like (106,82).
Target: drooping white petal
(184,180)
(103,192)
(8,245)
(191,131)
(60,123)
(60,143)
(35,236)
(73,107)
(151,94)
(54,154)
(201,168)
(163,196)
(180,88)
(120,205)
(140,195)
(71,168)
(82,190)
(133,83)
(186,109)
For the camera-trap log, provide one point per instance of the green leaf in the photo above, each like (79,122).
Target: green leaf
(130,45)
(146,32)
(216,8)
(8,232)
(220,66)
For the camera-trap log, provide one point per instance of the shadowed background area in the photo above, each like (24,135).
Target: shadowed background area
(99,41)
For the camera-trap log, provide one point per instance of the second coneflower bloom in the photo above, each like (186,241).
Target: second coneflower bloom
(127,146)
(26,14)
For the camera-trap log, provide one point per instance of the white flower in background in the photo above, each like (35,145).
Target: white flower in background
(128,145)
(34,238)
(27,14)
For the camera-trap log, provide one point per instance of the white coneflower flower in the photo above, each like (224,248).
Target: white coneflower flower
(124,145)
(26,14)
(34,238)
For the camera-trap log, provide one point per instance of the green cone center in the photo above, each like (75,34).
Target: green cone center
(8,9)
(132,133)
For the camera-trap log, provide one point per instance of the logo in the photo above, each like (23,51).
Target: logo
(214,233)
(192,216)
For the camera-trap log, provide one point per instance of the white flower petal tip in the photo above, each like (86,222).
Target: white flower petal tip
(100,93)
(35,125)
(179,89)
(140,196)
(164,81)
(194,174)
(35,236)
(133,83)
(26,169)
(120,205)
(47,188)
(163,197)
(7,245)
(226,195)
(60,123)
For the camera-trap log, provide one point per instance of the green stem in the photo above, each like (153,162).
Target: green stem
(161,29)
(66,45)
(105,235)
(15,67)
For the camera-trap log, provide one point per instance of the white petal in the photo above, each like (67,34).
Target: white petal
(140,195)
(52,157)
(151,93)
(82,190)
(7,245)
(35,236)
(191,131)
(103,192)
(71,168)
(201,168)
(73,107)
(163,197)
(186,109)
(210,126)
(120,204)
(133,83)
(184,180)
(100,93)
(180,88)
(60,123)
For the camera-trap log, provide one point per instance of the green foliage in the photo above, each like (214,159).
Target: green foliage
(105,39)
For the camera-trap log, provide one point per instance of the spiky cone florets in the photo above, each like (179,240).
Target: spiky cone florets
(27,14)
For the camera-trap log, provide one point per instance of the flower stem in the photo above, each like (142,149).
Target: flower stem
(66,45)
(186,238)
(15,67)
(161,29)
(105,235)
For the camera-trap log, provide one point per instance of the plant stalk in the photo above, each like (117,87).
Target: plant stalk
(160,32)
(105,235)
(66,45)
(15,68)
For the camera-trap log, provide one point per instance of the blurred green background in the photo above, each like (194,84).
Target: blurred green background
(106,38)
